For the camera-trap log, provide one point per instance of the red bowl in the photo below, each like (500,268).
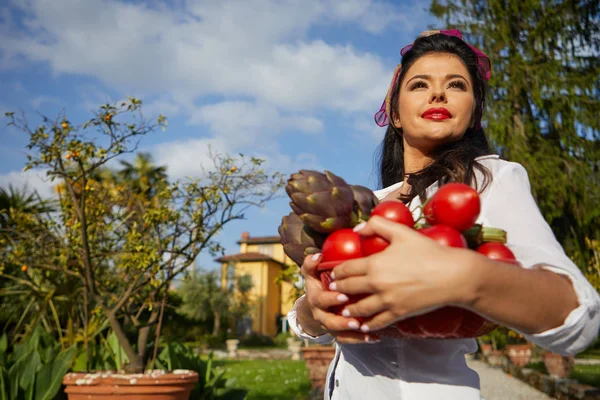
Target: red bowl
(444,323)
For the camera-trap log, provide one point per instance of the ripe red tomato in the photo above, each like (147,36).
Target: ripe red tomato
(373,244)
(497,251)
(394,211)
(343,244)
(456,205)
(391,210)
(445,235)
(428,212)
(340,245)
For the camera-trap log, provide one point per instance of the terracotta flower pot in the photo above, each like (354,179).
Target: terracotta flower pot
(519,354)
(558,366)
(486,348)
(317,360)
(153,385)
(495,358)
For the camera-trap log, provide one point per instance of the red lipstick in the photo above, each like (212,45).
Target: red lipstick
(436,114)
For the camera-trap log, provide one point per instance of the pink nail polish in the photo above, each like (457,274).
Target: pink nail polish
(345,313)
(332,286)
(353,325)
(364,328)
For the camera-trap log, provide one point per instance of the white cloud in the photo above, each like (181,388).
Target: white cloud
(243,121)
(190,158)
(237,126)
(32,179)
(245,69)
(287,164)
(317,75)
(375,17)
(187,158)
(208,48)
(164,105)
(38,101)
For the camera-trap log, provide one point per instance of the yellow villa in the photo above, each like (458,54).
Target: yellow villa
(263,259)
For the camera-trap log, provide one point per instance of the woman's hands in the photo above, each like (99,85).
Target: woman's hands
(313,314)
(412,276)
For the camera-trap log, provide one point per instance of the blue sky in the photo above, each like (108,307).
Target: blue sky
(294,82)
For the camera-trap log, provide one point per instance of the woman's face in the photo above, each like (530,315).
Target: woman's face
(436,102)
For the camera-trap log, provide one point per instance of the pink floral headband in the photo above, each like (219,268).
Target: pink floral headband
(382,117)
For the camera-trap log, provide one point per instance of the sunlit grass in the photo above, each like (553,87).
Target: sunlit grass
(586,374)
(269,379)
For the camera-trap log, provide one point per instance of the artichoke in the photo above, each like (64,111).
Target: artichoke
(365,200)
(324,202)
(298,240)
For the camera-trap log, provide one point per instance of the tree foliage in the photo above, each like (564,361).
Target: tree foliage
(544,102)
(126,242)
(203,298)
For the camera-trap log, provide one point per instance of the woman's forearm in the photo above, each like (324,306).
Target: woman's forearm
(306,319)
(528,300)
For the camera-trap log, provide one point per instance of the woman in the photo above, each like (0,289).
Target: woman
(434,108)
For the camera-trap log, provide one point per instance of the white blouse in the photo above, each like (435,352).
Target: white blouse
(411,369)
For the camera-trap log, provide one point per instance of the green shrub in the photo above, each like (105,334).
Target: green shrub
(212,383)
(256,340)
(212,342)
(281,339)
(33,368)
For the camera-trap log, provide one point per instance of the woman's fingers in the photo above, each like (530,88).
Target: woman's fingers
(389,230)
(333,322)
(348,268)
(379,321)
(352,285)
(309,266)
(365,307)
(324,300)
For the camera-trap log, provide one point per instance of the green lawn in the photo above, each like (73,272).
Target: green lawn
(587,374)
(589,354)
(269,379)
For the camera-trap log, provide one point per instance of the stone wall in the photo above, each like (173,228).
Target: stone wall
(562,389)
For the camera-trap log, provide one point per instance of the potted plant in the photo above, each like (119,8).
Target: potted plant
(484,345)
(126,236)
(557,365)
(518,350)
(317,359)
(493,345)
(486,348)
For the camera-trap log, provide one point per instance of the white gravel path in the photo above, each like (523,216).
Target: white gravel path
(496,385)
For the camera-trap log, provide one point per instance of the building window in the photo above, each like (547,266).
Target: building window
(244,326)
(265,249)
(230,280)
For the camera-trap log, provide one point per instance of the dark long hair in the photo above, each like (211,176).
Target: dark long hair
(455,161)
